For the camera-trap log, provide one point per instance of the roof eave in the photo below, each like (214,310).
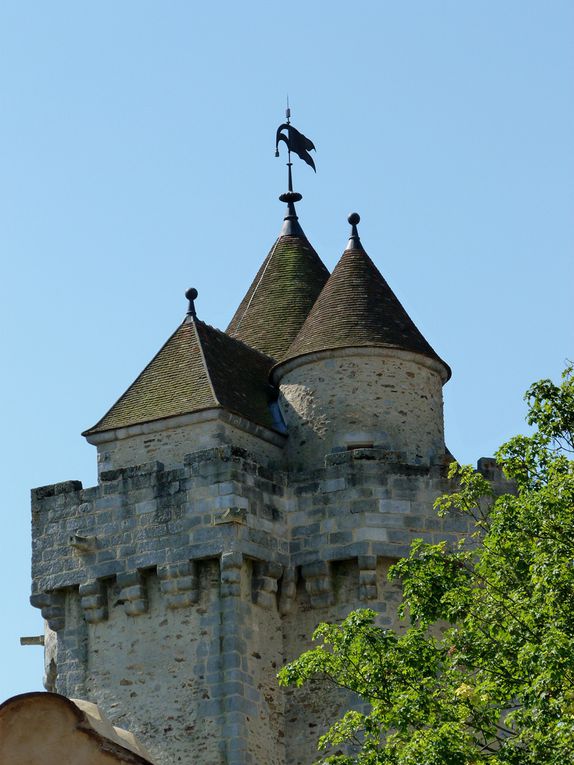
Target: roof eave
(434,362)
(183,420)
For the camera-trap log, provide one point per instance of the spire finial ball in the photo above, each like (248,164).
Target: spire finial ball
(354,218)
(191,293)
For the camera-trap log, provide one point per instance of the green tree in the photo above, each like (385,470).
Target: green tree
(495,684)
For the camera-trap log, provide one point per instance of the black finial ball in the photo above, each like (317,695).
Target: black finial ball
(191,293)
(354,218)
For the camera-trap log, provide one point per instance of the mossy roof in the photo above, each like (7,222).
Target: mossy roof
(280,297)
(358,308)
(199,367)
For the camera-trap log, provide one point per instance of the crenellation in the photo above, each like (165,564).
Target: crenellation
(319,546)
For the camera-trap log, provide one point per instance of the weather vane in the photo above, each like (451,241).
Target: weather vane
(296,142)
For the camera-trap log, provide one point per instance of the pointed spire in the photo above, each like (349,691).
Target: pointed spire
(291,225)
(354,242)
(357,308)
(291,277)
(280,296)
(300,145)
(191,295)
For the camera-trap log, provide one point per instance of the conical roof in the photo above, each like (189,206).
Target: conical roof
(282,293)
(199,367)
(358,308)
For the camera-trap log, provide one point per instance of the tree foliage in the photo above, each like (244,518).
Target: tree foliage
(496,684)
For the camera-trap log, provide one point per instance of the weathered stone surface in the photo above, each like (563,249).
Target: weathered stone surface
(377,397)
(207,576)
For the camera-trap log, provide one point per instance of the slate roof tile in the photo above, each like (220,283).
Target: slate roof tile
(280,297)
(358,308)
(199,367)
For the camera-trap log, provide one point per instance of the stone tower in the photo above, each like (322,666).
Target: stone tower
(251,483)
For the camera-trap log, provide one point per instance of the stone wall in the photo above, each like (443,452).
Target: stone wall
(385,398)
(170,440)
(176,595)
(311,709)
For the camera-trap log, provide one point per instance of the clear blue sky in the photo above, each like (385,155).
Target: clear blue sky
(136,159)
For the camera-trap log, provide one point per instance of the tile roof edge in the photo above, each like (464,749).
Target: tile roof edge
(150,425)
(266,263)
(368,349)
(201,415)
(95,428)
(204,360)
(241,342)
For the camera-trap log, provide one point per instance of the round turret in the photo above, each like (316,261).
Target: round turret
(360,374)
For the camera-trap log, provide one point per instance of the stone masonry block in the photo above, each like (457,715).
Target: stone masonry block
(94,601)
(395,506)
(148,506)
(231,564)
(179,583)
(372,534)
(288,591)
(133,593)
(367,562)
(368,584)
(265,583)
(319,583)
(52,605)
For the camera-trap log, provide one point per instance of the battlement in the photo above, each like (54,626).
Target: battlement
(364,502)
(178,579)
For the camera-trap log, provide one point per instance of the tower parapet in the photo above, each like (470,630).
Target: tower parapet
(176,594)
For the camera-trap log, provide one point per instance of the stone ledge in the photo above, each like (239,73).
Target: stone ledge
(52,490)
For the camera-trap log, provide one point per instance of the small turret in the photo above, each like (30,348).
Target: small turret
(359,373)
(202,389)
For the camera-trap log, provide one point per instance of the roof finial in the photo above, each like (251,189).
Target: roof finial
(191,295)
(354,242)
(301,145)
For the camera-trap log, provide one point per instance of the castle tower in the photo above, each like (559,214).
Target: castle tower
(359,372)
(251,484)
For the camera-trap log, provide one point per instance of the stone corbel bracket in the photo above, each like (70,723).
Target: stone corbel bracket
(230,571)
(133,593)
(265,583)
(288,591)
(319,583)
(53,608)
(368,589)
(230,515)
(179,583)
(94,601)
(83,544)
